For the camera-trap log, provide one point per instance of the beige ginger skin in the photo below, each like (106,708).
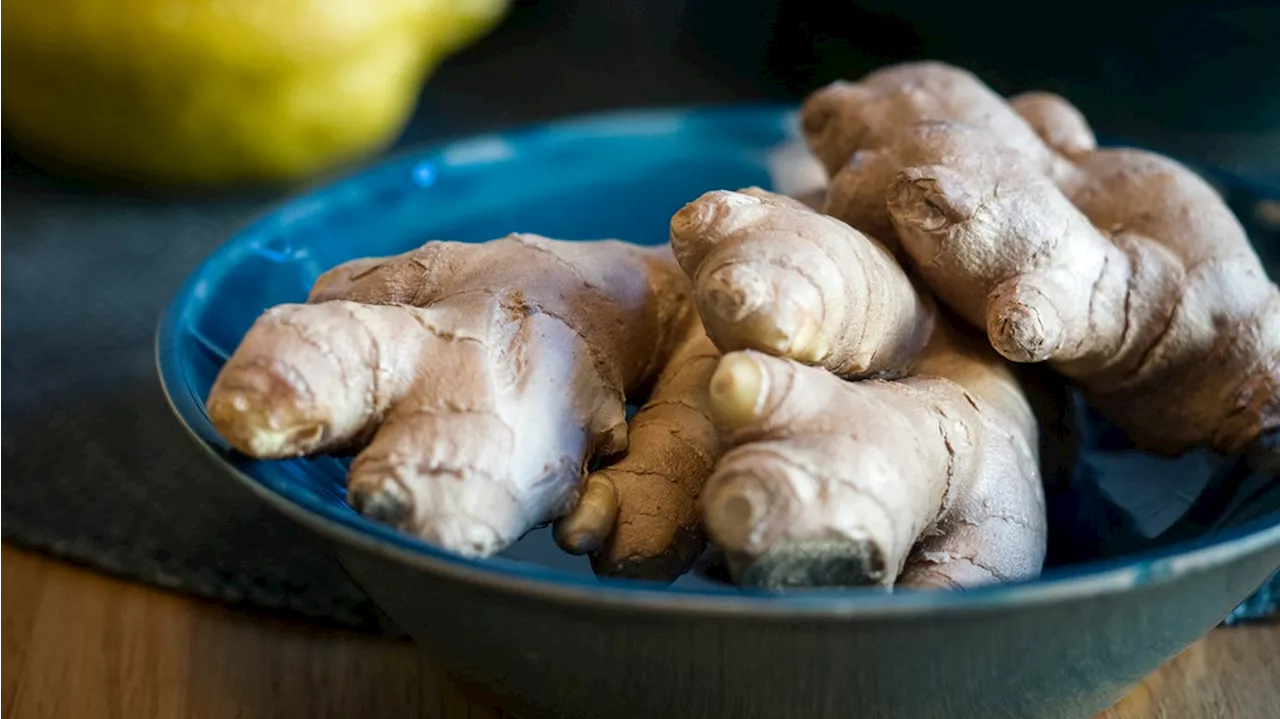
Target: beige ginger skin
(1166,317)
(479,382)
(773,275)
(476,381)
(1122,268)
(927,481)
(930,480)
(845,123)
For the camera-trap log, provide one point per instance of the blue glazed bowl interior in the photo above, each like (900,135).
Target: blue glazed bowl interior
(1121,511)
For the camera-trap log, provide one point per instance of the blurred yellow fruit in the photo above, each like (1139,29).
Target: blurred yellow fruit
(219,91)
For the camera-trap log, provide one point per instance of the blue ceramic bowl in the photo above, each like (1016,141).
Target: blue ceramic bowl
(1143,571)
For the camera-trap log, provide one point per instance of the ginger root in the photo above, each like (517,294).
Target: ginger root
(1122,268)
(476,381)
(931,480)
(846,123)
(1058,123)
(639,516)
(1132,277)
(771,274)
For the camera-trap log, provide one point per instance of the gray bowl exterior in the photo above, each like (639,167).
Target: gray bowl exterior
(1071,654)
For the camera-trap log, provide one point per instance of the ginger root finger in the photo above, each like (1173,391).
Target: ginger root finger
(797,501)
(1132,277)
(833,483)
(845,117)
(587,526)
(312,378)
(772,275)
(1062,127)
(482,391)
(656,531)
(964,239)
(849,125)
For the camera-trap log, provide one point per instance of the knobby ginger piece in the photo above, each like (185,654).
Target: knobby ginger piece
(931,480)
(639,516)
(1122,268)
(1058,123)
(773,275)
(845,118)
(1131,276)
(475,380)
(846,124)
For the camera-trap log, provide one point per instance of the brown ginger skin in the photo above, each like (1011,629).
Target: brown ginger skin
(773,275)
(477,380)
(1058,123)
(1130,275)
(1121,267)
(844,117)
(848,123)
(931,480)
(639,517)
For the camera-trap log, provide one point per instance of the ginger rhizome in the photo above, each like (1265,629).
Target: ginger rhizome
(771,274)
(927,481)
(476,381)
(639,516)
(1122,268)
(851,433)
(846,123)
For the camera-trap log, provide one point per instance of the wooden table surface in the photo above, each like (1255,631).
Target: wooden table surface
(83,646)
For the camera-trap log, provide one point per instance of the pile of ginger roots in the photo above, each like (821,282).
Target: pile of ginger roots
(830,387)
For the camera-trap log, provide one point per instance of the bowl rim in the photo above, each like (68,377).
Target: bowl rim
(1086,579)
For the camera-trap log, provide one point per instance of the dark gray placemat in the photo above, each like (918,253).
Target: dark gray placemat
(96,468)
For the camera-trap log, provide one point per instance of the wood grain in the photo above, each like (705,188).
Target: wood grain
(77,645)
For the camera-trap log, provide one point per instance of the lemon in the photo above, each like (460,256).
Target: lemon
(222,91)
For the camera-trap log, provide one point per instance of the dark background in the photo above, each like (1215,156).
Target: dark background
(1199,80)
(97,469)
